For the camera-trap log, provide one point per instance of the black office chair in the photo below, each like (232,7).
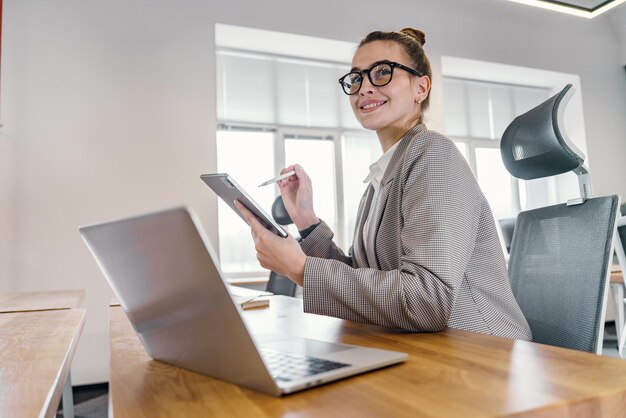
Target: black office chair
(278,284)
(560,255)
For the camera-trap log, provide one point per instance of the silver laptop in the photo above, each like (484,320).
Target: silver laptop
(166,277)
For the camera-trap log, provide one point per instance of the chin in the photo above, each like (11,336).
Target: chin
(371,123)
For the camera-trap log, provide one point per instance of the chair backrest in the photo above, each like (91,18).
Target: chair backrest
(560,255)
(279,212)
(559,270)
(277,284)
(281,285)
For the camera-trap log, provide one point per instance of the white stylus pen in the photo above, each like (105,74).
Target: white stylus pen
(281,177)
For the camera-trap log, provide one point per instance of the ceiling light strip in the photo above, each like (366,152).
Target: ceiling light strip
(572,10)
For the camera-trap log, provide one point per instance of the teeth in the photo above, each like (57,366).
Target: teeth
(371,105)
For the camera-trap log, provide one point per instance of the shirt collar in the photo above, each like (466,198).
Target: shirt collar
(377,169)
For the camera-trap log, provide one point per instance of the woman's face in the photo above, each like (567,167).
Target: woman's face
(394,106)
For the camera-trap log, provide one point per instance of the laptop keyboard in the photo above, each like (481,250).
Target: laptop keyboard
(290,366)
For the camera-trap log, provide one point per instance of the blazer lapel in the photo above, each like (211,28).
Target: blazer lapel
(390,174)
(398,155)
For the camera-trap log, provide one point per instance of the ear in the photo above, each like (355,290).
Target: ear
(421,88)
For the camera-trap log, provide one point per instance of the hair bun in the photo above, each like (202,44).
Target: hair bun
(416,34)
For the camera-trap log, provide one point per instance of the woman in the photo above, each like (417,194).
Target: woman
(426,254)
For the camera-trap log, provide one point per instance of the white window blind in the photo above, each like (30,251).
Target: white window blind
(307,94)
(257,88)
(245,88)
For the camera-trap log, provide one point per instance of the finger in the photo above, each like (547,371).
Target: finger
(302,175)
(288,168)
(289,179)
(295,168)
(250,217)
(284,183)
(244,212)
(257,229)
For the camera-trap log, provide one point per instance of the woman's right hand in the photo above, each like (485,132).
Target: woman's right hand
(297,193)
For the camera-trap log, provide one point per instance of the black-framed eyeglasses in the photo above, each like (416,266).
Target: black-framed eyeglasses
(380,74)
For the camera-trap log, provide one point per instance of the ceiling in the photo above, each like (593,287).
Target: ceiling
(613,12)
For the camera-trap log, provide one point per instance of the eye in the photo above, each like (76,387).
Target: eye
(354,78)
(381,72)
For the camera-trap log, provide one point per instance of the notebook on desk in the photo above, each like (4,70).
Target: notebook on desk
(166,277)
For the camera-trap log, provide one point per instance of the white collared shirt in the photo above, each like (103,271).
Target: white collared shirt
(377,171)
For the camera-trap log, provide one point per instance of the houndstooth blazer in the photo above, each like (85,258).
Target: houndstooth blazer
(439,261)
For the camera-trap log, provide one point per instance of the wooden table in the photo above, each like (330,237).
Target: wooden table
(450,373)
(36,350)
(47,301)
(41,301)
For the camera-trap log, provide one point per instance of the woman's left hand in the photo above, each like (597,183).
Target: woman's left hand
(282,255)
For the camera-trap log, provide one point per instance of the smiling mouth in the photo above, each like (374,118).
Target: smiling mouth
(372,105)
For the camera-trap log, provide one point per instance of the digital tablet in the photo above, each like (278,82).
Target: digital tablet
(229,191)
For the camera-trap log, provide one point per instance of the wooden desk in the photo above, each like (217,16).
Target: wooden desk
(451,373)
(47,301)
(41,301)
(36,350)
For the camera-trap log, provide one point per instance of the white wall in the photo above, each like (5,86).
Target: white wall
(109,110)
(618,20)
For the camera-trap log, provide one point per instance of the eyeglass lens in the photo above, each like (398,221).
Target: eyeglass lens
(379,75)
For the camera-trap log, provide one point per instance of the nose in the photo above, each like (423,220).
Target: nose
(366,86)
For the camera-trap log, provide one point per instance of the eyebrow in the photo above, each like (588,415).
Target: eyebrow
(371,66)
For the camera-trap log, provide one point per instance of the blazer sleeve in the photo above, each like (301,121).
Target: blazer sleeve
(319,243)
(440,207)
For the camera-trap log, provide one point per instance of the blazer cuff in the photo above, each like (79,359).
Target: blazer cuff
(313,288)
(319,238)
(306,231)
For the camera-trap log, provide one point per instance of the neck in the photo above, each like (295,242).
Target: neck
(390,135)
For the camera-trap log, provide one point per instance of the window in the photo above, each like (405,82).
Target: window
(363,149)
(236,249)
(476,115)
(283,110)
(316,154)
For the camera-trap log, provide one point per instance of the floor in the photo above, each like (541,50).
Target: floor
(609,347)
(90,401)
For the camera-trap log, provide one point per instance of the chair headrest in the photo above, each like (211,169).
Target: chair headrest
(279,212)
(534,144)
